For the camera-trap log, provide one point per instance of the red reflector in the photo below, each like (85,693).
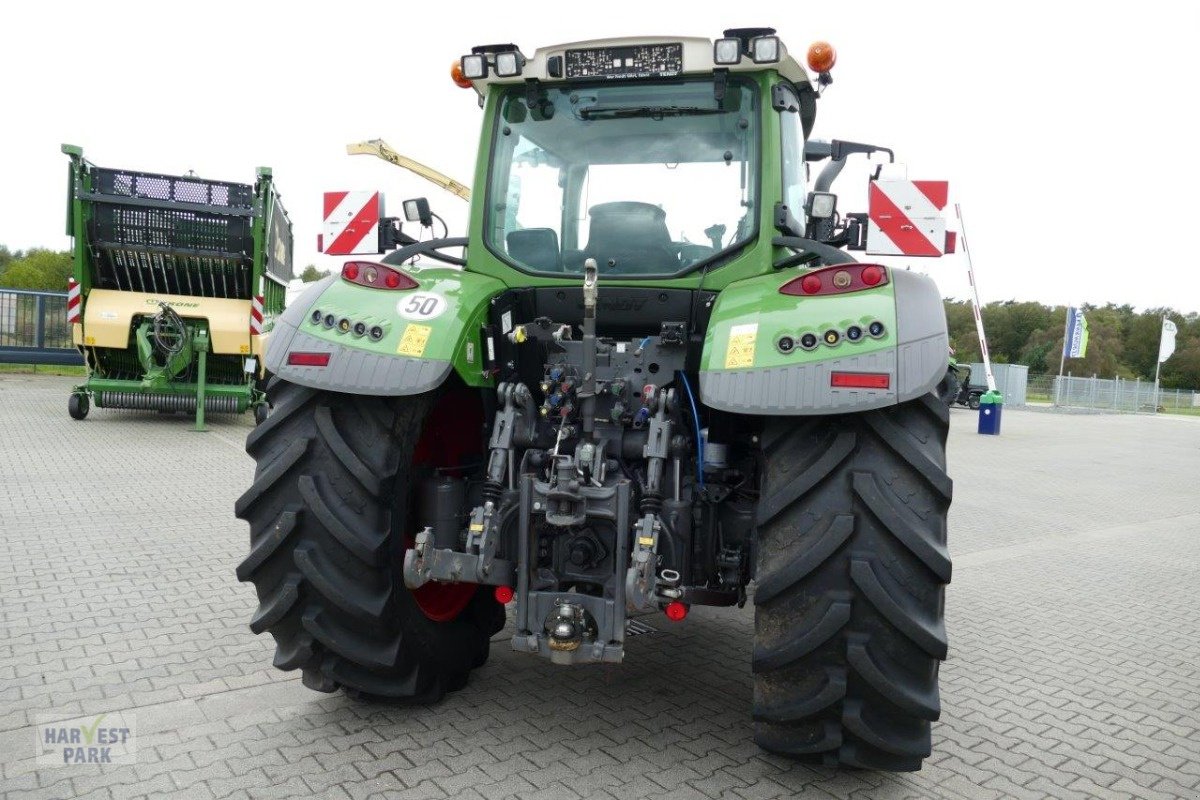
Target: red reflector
(676,611)
(298,359)
(951,242)
(504,595)
(872,275)
(860,380)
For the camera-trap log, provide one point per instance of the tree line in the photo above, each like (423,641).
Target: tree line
(1122,342)
(36,268)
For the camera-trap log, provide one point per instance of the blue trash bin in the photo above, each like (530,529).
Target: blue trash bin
(991,407)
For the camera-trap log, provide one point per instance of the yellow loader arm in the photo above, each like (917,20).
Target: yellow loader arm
(381,149)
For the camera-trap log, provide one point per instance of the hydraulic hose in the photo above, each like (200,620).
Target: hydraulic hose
(687,387)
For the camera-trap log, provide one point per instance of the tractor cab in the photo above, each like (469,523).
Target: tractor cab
(642,154)
(657,157)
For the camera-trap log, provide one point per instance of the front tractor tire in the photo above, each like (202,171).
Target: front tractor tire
(852,565)
(330,516)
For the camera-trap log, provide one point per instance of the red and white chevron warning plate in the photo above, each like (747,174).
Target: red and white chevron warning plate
(351,223)
(74,301)
(905,218)
(256,315)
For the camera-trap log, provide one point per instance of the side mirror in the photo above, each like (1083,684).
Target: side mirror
(417,210)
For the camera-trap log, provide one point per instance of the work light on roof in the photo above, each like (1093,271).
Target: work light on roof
(508,65)
(474,66)
(727,51)
(822,205)
(765,49)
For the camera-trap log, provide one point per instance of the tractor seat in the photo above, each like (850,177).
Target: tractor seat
(535,247)
(634,236)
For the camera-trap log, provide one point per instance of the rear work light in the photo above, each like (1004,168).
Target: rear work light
(860,380)
(474,66)
(509,64)
(301,359)
(727,51)
(838,279)
(765,49)
(376,276)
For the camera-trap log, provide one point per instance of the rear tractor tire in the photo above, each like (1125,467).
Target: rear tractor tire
(852,565)
(78,405)
(330,515)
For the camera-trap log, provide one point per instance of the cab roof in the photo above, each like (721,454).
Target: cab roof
(697,59)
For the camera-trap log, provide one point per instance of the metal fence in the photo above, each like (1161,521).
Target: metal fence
(1109,394)
(34,328)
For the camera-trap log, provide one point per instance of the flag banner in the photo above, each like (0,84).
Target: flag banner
(1166,345)
(1075,345)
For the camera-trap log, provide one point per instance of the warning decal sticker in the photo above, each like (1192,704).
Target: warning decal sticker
(740,352)
(413,342)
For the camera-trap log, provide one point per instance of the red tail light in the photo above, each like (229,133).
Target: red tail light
(860,380)
(376,275)
(838,279)
(504,595)
(299,359)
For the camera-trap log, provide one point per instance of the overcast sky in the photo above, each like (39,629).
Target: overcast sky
(1068,131)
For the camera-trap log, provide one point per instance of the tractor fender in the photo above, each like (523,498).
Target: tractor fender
(427,333)
(753,362)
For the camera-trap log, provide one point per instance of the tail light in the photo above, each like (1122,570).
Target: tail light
(838,279)
(377,276)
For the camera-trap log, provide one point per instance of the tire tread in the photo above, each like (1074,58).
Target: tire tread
(852,565)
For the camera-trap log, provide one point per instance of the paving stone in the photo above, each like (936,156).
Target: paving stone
(1073,627)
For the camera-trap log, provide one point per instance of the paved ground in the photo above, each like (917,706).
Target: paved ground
(1074,668)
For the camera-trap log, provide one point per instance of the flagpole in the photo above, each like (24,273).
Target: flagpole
(1062,362)
(1158,361)
(1066,329)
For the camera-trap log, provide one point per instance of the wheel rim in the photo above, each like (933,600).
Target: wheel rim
(449,436)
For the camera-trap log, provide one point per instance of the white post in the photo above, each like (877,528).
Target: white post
(983,348)
(1157,372)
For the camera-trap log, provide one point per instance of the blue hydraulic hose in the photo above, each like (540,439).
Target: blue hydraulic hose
(687,387)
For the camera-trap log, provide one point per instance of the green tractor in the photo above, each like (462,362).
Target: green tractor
(650,377)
